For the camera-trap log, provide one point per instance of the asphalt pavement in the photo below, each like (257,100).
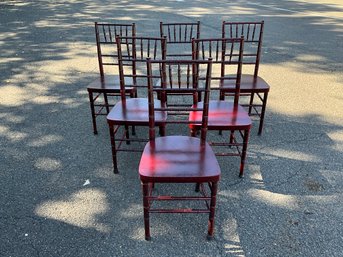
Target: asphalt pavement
(58,194)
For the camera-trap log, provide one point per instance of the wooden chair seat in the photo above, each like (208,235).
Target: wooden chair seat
(249,84)
(178,159)
(134,112)
(224,116)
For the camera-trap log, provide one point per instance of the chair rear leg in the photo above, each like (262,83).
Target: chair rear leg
(199,96)
(162,130)
(127,134)
(133,94)
(146,208)
(91,101)
(244,151)
(106,103)
(114,150)
(214,188)
(264,104)
(193,132)
(197,187)
(251,102)
(221,98)
(232,137)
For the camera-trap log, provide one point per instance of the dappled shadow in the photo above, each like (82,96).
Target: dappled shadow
(58,194)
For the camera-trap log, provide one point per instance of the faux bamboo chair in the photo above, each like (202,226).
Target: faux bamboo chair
(224,115)
(251,84)
(133,52)
(179,38)
(177,158)
(107,84)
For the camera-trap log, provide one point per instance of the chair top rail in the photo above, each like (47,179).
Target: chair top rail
(243,22)
(180,23)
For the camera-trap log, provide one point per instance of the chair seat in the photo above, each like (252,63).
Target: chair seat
(178,159)
(134,112)
(248,84)
(109,84)
(222,115)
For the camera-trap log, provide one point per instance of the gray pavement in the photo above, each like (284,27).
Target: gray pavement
(58,195)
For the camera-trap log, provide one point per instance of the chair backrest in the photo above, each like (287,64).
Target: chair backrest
(105,34)
(179,37)
(253,33)
(227,55)
(132,55)
(178,114)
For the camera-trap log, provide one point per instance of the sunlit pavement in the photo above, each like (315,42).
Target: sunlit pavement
(59,196)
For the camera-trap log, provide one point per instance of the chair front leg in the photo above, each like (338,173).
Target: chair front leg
(91,102)
(162,130)
(222,95)
(251,102)
(214,188)
(106,103)
(114,150)
(133,94)
(264,104)
(127,134)
(146,208)
(232,137)
(197,187)
(244,151)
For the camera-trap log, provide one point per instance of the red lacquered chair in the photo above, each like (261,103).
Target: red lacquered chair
(133,52)
(251,84)
(179,38)
(107,85)
(223,115)
(176,158)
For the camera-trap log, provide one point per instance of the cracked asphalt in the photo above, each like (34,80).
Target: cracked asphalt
(58,194)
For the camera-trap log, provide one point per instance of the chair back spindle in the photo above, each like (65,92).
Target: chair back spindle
(105,34)
(227,54)
(133,52)
(253,34)
(177,114)
(179,38)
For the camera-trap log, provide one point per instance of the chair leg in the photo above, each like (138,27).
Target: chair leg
(91,101)
(127,134)
(162,130)
(146,207)
(264,104)
(232,133)
(106,103)
(197,187)
(114,151)
(214,188)
(221,98)
(193,132)
(133,94)
(251,102)
(244,151)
